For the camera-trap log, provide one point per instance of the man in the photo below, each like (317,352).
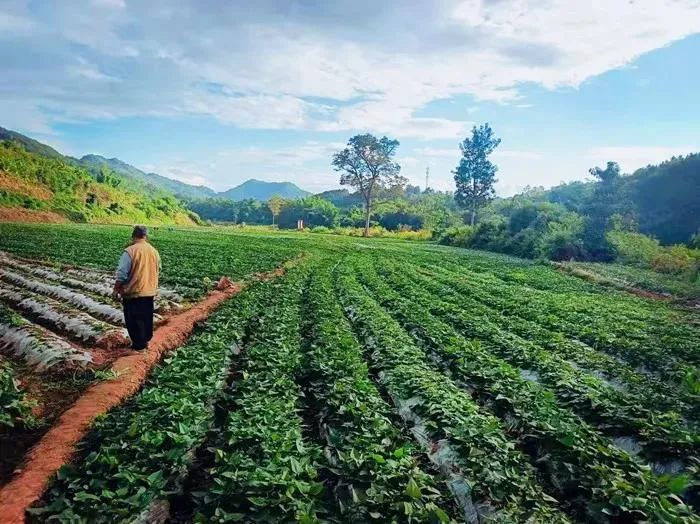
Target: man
(137,285)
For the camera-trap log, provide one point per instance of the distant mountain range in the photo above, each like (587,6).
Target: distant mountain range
(155,184)
(255,189)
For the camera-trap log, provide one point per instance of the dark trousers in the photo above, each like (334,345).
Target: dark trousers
(138,317)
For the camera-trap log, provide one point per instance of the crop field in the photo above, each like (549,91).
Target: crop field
(369,381)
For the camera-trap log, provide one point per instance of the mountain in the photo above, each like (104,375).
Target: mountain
(151,182)
(263,191)
(29,144)
(36,188)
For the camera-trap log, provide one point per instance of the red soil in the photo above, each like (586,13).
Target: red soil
(57,446)
(18,214)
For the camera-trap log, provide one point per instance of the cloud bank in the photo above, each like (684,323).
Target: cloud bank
(311,65)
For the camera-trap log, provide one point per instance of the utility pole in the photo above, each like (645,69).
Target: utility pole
(427,177)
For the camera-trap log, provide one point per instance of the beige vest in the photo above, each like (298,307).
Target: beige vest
(145,266)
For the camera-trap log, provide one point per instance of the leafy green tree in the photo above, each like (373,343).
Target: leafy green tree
(275,204)
(476,174)
(367,164)
(606,202)
(312,210)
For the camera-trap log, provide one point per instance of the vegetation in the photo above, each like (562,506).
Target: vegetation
(476,174)
(385,381)
(368,165)
(35,182)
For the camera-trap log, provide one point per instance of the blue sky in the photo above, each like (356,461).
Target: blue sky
(218,92)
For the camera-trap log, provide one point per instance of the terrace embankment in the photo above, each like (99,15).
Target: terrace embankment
(57,446)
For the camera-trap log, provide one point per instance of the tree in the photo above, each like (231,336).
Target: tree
(605,202)
(314,211)
(367,164)
(476,174)
(275,204)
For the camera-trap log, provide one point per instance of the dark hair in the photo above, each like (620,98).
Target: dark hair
(139,232)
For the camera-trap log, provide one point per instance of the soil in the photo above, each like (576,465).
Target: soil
(53,394)
(18,186)
(19,214)
(56,447)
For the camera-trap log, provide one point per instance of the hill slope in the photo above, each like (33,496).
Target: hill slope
(261,190)
(34,187)
(665,198)
(29,144)
(151,182)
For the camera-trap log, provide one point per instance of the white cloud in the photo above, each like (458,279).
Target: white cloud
(337,66)
(631,158)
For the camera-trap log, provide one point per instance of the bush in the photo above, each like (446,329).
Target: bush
(459,236)
(644,251)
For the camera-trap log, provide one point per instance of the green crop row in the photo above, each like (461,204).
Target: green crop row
(503,485)
(584,468)
(614,412)
(264,469)
(15,408)
(381,479)
(192,258)
(624,328)
(653,395)
(138,452)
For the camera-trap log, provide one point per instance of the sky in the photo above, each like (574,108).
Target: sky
(216,92)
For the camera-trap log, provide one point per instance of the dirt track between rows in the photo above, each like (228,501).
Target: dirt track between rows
(57,446)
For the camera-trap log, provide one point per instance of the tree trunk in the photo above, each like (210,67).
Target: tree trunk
(473,219)
(368,210)
(273,220)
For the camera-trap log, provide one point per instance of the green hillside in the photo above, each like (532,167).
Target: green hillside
(664,199)
(151,182)
(31,145)
(52,187)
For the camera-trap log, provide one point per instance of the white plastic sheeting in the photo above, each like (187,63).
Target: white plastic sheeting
(104,311)
(76,324)
(38,347)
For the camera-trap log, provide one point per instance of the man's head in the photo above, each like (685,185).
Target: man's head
(139,232)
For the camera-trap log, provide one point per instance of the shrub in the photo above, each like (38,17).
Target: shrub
(459,236)
(644,251)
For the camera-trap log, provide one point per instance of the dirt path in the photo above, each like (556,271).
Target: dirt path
(57,446)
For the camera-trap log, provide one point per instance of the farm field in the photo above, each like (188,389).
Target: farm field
(371,381)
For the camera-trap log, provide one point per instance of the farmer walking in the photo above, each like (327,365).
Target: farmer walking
(137,285)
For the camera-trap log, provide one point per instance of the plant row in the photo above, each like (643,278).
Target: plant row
(502,484)
(380,476)
(654,343)
(648,392)
(15,407)
(139,452)
(614,412)
(264,469)
(55,315)
(594,477)
(98,309)
(38,347)
(167,300)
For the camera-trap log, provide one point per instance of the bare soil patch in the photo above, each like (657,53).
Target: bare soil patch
(19,214)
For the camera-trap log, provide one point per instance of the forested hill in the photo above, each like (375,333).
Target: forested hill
(154,184)
(263,191)
(151,182)
(664,199)
(34,187)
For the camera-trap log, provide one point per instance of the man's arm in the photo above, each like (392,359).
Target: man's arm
(122,275)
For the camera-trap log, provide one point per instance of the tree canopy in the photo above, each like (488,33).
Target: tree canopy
(476,174)
(367,164)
